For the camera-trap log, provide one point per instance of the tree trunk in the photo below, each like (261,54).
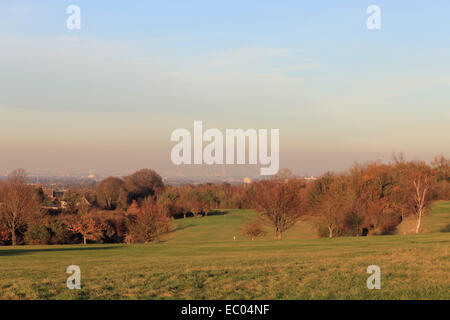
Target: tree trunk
(277,234)
(184,215)
(13,236)
(331,232)
(419,219)
(84,239)
(13,231)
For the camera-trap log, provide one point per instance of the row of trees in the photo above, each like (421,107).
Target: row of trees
(367,199)
(83,218)
(370,199)
(136,208)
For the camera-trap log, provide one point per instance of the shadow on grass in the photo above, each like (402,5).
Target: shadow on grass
(446,228)
(190,215)
(14,252)
(186,226)
(217,213)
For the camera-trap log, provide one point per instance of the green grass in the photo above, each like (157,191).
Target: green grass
(223,227)
(439,220)
(200,260)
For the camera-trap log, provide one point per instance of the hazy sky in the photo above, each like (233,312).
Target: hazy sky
(108,96)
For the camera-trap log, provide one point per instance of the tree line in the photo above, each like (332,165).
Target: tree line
(367,199)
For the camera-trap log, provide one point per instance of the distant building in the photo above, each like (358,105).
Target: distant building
(247,180)
(58,194)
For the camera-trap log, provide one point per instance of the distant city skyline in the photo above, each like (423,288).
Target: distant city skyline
(106,98)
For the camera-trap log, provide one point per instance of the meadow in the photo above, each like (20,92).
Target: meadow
(200,260)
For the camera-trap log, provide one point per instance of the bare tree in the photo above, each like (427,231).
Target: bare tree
(421,176)
(413,189)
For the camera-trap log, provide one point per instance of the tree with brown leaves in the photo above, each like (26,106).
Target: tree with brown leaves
(330,209)
(280,202)
(148,223)
(111,193)
(19,204)
(86,225)
(142,184)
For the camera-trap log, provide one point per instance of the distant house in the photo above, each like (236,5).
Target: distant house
(58,194)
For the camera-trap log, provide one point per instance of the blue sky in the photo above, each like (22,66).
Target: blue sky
(335,89)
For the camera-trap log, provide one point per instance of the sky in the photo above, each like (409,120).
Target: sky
(107,97)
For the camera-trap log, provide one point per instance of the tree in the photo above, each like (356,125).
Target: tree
(317,188)
(209,200)
(370,192)
(421,176)
(84,222)
(142,184)
(413,185)
(86,225)
(441,187)
(441,166)
(196,202)
(114,225)
(330,207)
(111,193)
(190,200)
(169,202)
(37,234)
(148,223)
(19,204)
(280,201)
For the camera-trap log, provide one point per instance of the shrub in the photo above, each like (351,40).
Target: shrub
(253,230)
(60,232)
(37,234)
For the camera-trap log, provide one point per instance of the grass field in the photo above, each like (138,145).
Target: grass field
(200,260)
